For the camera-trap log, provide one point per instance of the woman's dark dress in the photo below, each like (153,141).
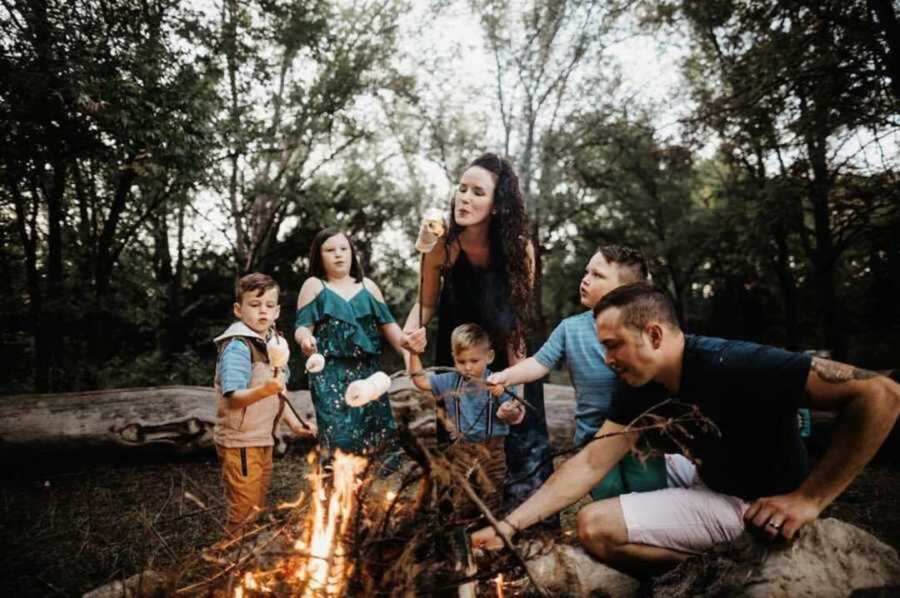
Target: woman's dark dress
(479,295)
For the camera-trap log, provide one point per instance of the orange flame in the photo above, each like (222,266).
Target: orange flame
(326,570)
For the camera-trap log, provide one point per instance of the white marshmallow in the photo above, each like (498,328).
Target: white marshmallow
(278,350)
(361,392)
(315,363)
(432,229)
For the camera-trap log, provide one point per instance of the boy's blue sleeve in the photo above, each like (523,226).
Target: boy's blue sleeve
(441,384)
(554,349)
(235,367)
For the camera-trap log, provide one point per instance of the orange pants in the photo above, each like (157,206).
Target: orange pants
(246,476)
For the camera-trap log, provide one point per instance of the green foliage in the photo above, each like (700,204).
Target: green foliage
(151,152)
(797,93)
(311,63)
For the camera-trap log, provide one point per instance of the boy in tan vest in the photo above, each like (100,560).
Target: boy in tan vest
(249,406)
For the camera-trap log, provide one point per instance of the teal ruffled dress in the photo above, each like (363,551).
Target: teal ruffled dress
(348,336)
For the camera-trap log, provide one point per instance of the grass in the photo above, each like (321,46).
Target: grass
(79,527)
(69,528)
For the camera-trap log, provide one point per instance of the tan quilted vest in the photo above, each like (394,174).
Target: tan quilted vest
(252,425)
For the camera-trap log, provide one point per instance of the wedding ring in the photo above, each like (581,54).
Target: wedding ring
(773,525)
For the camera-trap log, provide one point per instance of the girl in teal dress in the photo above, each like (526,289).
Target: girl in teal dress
(342,315)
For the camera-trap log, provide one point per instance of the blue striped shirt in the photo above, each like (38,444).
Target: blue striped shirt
(236,368)
(575,340)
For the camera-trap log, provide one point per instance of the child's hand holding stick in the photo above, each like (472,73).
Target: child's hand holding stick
(308,345)
(511,412)
(279,353)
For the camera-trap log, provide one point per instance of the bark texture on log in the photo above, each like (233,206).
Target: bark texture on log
(147,584)
(831,558)
(179,418)
(570,571)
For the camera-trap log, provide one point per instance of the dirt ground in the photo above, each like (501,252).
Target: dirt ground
(69,528)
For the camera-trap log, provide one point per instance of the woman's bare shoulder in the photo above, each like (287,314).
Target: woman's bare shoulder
(370,286)
(310,289)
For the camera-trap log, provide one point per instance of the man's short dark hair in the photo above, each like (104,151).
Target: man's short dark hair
(255,281)
(640,303)
(628,259)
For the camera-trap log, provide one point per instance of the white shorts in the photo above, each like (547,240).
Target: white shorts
(687,516)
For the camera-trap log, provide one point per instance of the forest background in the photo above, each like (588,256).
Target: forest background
(152,151)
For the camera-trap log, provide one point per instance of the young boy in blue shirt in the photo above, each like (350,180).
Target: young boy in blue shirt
(249,407)
(478,426)
(575,341)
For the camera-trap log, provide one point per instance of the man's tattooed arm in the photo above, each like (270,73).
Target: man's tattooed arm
(836,373)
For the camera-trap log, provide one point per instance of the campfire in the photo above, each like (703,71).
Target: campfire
(362,528)
(312,558)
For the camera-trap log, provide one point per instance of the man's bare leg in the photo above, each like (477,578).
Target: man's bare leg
(602,531)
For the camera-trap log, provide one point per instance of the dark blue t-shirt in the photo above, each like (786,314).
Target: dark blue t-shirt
(751,392)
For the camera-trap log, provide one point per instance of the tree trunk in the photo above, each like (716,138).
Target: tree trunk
(53,125)
(173,418)
(51,329)
(824,256)
(168,278)
(539,334)
(887,20)
(26,224)
(788,290)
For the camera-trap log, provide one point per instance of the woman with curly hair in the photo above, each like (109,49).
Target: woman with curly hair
(482,272)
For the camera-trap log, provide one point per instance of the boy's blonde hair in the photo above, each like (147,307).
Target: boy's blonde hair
(468,336)
(254,281)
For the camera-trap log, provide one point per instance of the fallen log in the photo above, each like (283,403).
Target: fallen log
(146,584)
(175,419)
(570,571)
(830,558)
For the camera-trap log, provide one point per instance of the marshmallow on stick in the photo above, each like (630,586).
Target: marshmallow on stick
(278,351)
(361,392)
(433,226)
(315,363)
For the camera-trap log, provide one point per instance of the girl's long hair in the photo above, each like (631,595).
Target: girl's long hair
(317,266)
(508,237)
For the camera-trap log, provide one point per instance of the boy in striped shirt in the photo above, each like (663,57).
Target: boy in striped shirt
(575,340)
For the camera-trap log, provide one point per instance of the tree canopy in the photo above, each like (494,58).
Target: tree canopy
(154,151)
